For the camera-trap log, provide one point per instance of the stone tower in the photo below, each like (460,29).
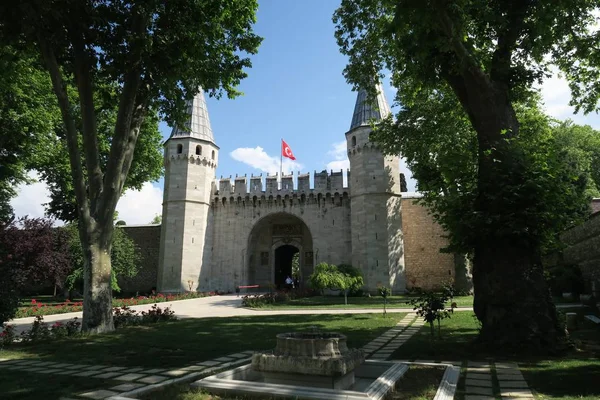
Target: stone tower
(375,199)
(191,157)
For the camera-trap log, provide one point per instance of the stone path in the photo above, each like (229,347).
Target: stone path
(383,347)
(479,385)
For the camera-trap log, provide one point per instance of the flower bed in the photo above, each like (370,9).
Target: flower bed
(38,308)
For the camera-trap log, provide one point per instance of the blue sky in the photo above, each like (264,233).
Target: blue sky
(294,91)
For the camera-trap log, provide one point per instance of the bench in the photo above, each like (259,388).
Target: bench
(593,318)
(238,288)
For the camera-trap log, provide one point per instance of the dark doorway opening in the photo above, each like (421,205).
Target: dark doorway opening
(283,264)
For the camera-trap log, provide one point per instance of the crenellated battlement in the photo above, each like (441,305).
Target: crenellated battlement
(267,186)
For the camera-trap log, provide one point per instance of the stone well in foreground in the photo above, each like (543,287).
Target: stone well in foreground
(315,359)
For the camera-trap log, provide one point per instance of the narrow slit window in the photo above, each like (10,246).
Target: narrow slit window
(198,150)
(179,148)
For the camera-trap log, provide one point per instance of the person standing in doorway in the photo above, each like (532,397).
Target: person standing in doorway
(289,282)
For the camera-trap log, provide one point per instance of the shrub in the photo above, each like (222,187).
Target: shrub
(73,327)
(125,316)
(8,335)
(431,306)
(59,330)
(156,314)
(39,331)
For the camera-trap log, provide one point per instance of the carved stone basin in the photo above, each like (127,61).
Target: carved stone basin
(323,358)
(311,344)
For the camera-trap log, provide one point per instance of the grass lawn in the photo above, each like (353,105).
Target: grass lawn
(571,376)
(357,302)
(419,383)
(179,343)
(193,340)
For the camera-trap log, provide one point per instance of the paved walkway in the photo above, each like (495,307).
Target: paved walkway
(213,306)
(121,382)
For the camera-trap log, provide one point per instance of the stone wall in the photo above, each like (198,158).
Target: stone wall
(426,267)
(327,217)
(147,239)
(583,248)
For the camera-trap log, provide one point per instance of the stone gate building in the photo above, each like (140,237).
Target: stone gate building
(218,234)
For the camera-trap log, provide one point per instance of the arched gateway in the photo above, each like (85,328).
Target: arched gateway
(272,244)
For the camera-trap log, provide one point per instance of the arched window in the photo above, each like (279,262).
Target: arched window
(179,148)
(213,154)
(198,150)
(353,140)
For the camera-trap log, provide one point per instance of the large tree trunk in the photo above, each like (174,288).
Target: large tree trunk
(97,196)
(512,300)
(97,296)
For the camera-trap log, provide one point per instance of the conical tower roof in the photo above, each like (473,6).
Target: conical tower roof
(365,112)
(197,125)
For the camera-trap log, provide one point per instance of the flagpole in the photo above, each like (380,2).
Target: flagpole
(281,166)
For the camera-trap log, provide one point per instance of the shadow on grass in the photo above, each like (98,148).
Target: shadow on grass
(19,385)
(564,378)
(191,340)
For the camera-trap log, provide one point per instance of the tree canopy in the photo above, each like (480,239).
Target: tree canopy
(147,57)
(486,56)
(28,116)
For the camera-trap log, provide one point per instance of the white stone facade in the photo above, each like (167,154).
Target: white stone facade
(217,235)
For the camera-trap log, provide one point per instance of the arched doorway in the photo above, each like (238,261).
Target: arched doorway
(284,256)
(272,243)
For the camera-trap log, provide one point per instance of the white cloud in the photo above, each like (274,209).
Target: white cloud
(259,159)
(139,207)
(556,96)
(30,198)
(134,207)
(339,153)
(337,165)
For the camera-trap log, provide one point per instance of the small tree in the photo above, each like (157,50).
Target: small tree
(384,292)
(329,276)
(431,306)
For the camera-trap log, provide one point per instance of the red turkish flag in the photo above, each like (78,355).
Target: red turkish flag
(286,151)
